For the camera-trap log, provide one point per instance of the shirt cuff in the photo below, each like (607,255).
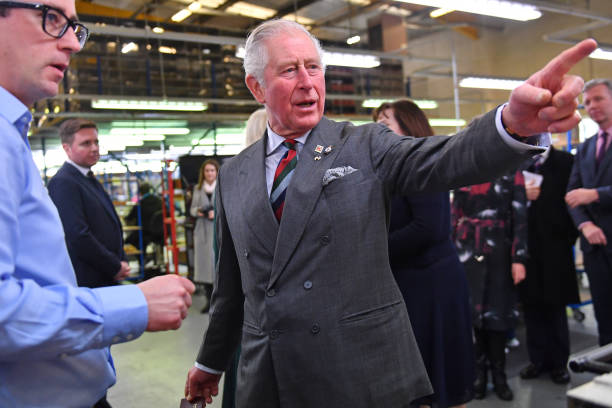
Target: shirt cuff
(206,369)
(538,143)
(125,312)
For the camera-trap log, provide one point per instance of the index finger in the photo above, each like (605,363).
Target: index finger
(562,63)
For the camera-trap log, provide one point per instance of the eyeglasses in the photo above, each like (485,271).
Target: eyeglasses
(54,21)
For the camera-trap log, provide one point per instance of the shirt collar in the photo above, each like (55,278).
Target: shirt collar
(83,170)
(15,112)
(608,130)
(274,140)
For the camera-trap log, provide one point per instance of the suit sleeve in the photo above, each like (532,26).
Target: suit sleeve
(68,198)
(580,213)
(224,330)
(439,163)
(196,202)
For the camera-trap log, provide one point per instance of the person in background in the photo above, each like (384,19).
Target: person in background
(551,273)
(425,265)
(589,197)
(202,208)
(151,221)
(255,126)
(94,235)
(55,336)
(303,280)
(490,233)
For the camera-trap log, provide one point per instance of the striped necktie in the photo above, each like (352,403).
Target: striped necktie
(282,177)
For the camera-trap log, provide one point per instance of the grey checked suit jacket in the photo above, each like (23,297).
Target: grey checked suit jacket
(313,300)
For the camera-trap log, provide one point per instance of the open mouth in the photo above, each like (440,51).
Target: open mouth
(306,104)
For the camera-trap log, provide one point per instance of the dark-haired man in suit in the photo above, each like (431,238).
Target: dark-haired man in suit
(590,200)
(93,230)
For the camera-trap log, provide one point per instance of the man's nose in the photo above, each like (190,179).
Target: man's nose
(304,78)
(70,41)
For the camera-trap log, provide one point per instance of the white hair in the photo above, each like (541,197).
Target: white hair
(256,53)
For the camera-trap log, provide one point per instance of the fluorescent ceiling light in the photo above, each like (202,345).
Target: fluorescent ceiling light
(489,83)
(353,40)
(350,60)
(250,10)
(148,131)
(440,12)
(195,6)
(158,30)
(181,15)
(135,104)
(447,122)
(129,47)
(212,3)
(300,19)
(338,59)
(495,8)
(396,11)
(360,2)
(421,103)
(601,54)
(166,50)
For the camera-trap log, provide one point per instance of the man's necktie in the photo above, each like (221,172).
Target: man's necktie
(602,148)
(282,177)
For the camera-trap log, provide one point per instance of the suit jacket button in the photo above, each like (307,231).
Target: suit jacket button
(324,240)
(246,253)
(274,334)
(315,329)
(271,293)
(307,285)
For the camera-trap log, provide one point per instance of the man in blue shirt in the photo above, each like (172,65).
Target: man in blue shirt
(55,336)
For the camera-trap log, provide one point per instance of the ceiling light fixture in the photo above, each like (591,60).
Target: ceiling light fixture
(601,54)
(181,15)
(195,6)
(446,122)
(158,30)
(490,83)
(166,50)
(440,12)
(421,103)
(353,40)
(250,10)
(129,47)
(495,8)
(154,105)
(300,19)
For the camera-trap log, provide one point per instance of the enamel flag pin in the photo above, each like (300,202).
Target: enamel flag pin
(328,149)
(317,158)
(318,149)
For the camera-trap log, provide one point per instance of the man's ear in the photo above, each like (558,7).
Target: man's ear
(66,147)
(256,89)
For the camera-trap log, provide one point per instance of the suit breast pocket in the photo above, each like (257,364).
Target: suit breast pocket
(344,183)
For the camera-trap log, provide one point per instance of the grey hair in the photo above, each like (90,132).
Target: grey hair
(256,53)
(594,82)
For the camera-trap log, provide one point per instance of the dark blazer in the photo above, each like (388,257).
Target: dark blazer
(586,175)
(551,274)
(313,300)
(92,228)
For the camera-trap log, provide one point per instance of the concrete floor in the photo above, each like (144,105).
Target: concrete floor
(151,371)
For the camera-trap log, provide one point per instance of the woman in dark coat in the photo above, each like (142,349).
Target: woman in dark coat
(430,276)
(490,232)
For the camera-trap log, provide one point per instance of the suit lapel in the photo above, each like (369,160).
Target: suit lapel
(603,166)
(94,192)
(589,166)
(303,193)
(254,195)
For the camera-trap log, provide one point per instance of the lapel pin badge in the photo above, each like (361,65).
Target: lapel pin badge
(328,149)
(317,158)
(318,149)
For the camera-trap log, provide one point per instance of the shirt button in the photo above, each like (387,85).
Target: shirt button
(274,334)
(246,253)
(271,293)
(324,240)
(307,285)
(315,329)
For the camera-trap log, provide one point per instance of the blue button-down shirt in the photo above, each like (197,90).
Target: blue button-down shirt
(54,336)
